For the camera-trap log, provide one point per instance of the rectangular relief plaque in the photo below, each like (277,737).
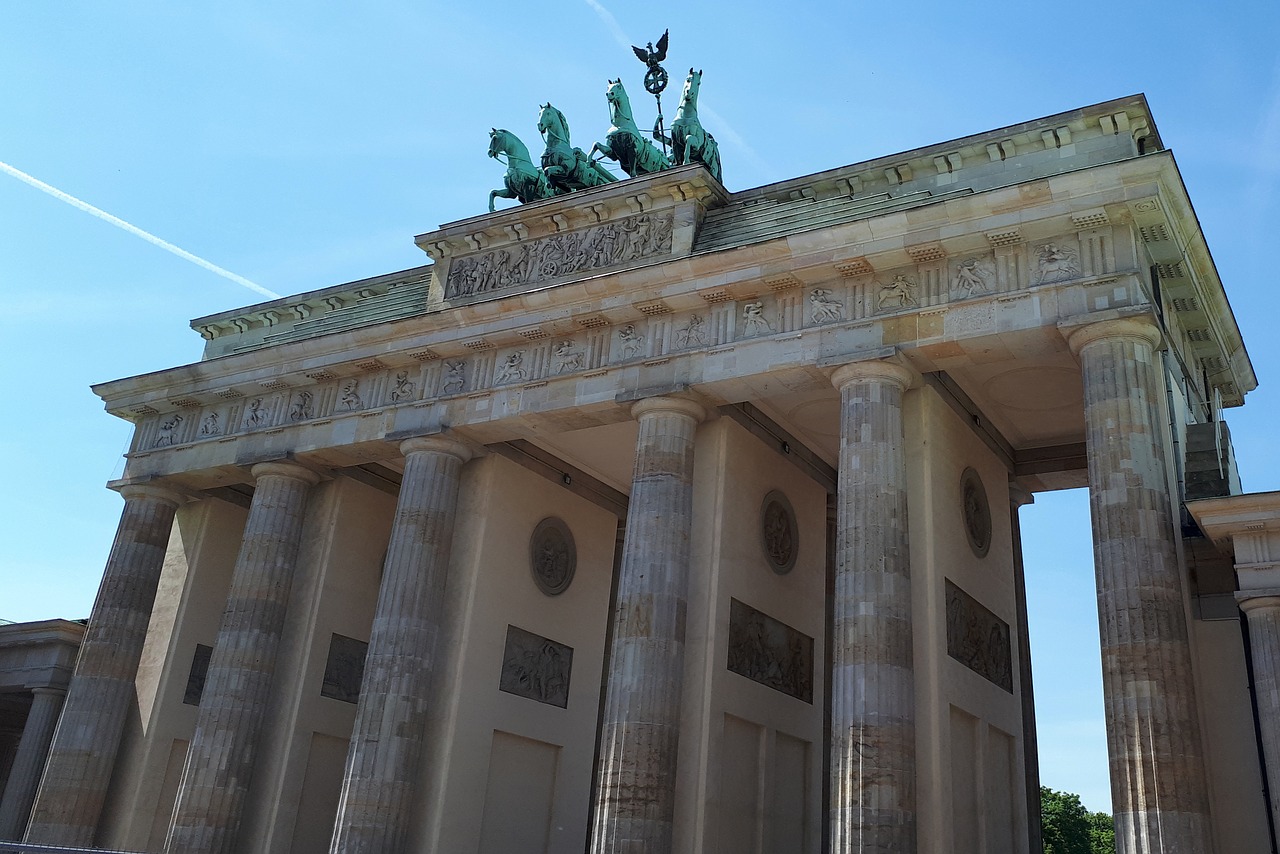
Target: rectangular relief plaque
(196,676)
(344,669)
(536,667)
(770,652)
(978,639)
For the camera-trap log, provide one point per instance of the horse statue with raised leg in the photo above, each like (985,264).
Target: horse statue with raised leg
(523,180)
(624,142)
(567,168)
(690,142)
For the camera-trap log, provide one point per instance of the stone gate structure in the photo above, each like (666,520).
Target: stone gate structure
(661,518)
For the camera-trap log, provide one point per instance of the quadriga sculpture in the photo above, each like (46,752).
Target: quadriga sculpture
(523,180)
(624,142)
(567,168)
(689,141)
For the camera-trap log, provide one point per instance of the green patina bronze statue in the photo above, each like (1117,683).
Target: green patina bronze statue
(566,167)
(689,141)
(624,142)
(523,180)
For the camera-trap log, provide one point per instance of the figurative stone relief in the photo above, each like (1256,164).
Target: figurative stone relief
(977,512)
(350,400)
(824,309)
(455,377)
(553,556)
(344,669)
(1057,263)
(168,432)
(753,320)
(972,277)
(568,357)
(210,425)
(770,652)
(256,414)
(197,675)
(403,389)
(632,341)
(779,534)
(536,667)
(900,293)
(693,333)
(512,369)
(605,245)
(978,639)
(303,408)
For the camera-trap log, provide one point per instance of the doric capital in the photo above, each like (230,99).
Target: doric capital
(874,370)
(151,492)
(679,405)
(435,445)
(1258,600)
(1141,328)
(285,469)
(1019,495)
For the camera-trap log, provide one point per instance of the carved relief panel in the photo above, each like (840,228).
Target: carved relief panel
(536,668)
(978,639)
(770,652)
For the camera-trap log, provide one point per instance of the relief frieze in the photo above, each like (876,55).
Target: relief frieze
(770,652)
(536,667)
(978,639)
(606,245)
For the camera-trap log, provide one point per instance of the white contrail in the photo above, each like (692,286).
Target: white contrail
(134,230)
(723,127)
(612,23)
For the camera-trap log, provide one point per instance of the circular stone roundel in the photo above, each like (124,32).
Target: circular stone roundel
(780,536)
(552,556)
(977,512)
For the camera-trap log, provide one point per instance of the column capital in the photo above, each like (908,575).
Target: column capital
(1019,495)
(151,491)
(283,468)
(873,369)
(679,405)
(1135,328)
(1261,599)
(435,445)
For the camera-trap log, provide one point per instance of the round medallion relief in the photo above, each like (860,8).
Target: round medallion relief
(977,512)
(779,534)
(552,556)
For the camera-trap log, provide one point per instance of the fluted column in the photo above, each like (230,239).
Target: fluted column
(635,801)
(33,750)
(387,740)
(101,694)
(1262,609)
(873,730)
(219,767)
(1018,498)
(1158,787)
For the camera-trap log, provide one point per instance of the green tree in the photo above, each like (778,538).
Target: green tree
(1069,828)
(1064,823)
(1102,833)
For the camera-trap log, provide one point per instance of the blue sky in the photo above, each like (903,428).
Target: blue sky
(303,145)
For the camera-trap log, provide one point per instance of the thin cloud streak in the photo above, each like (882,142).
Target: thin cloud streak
(134,230)
(612,23)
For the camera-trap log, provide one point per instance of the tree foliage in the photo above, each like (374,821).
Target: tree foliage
(1068,828)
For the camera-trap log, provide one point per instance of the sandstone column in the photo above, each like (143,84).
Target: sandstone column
(33,749)
(387,739)
(1158,787)
(219,767)
(101,694)
(873,730)
(635,801)
(1018,498)
(1262,609)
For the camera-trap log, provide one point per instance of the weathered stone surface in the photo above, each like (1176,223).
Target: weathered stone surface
(641,729)
(219,766)
(873,765)
(101,694)
(1158,786)
(387,740)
